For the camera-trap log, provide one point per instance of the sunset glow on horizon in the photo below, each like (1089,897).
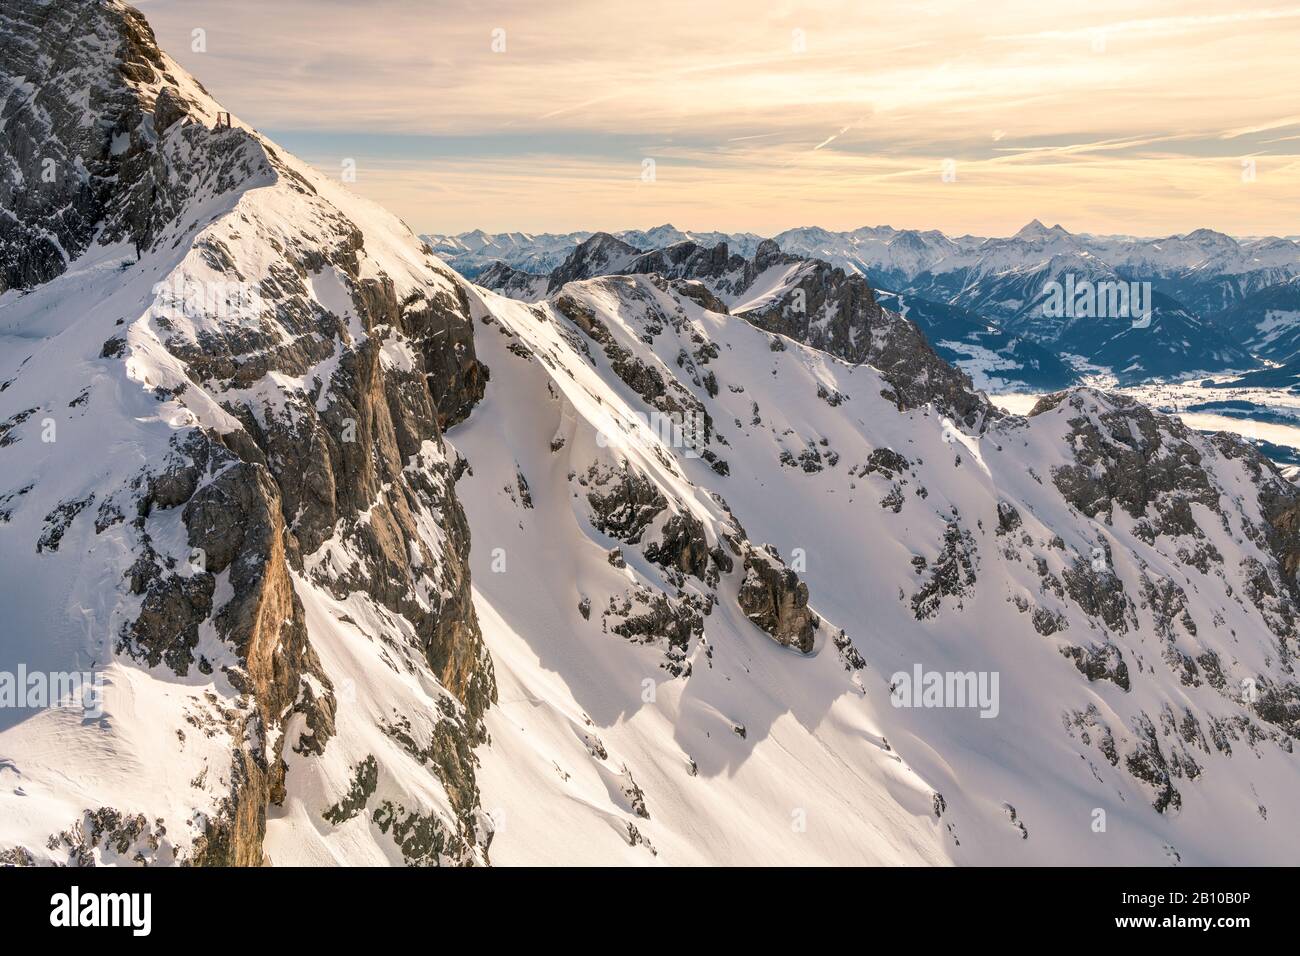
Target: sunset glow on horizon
(970,118)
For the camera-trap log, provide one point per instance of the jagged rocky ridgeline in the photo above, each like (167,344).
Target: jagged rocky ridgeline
(250,374)
(248,423)
(806,300)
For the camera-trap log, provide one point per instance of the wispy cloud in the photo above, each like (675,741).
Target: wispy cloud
(1161,26)
(765,117)
(833,137)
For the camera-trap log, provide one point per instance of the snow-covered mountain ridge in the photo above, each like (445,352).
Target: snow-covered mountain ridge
(1115,569)
(1210,295)
(224,479)
(253,517)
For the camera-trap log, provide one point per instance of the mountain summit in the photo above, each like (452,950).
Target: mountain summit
(1036,230)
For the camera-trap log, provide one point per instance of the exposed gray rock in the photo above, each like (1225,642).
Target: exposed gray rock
(953,572)
(1100,593)
(600,255)
(109,180)
(683,545)
(1100,662)
(773,597)
(168,108)
(1127,455)
(623,502)
(651,617)
(1008,518)
(826,309)
(514,283)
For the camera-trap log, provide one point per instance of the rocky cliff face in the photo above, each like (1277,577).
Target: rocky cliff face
(280,360)
(88,97)
(523,286)
(602,254)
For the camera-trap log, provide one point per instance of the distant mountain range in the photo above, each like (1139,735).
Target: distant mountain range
(1211,304)
(893,258)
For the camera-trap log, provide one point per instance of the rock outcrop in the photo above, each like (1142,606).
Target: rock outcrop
(773,597)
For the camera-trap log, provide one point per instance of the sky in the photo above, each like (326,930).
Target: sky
(1142,118)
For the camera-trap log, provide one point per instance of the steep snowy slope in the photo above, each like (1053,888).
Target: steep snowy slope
(223,490)
(1119,574)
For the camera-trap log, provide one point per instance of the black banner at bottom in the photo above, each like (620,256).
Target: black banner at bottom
(142,905)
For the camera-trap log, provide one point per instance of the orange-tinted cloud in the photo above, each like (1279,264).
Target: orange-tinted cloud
(1104,117)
